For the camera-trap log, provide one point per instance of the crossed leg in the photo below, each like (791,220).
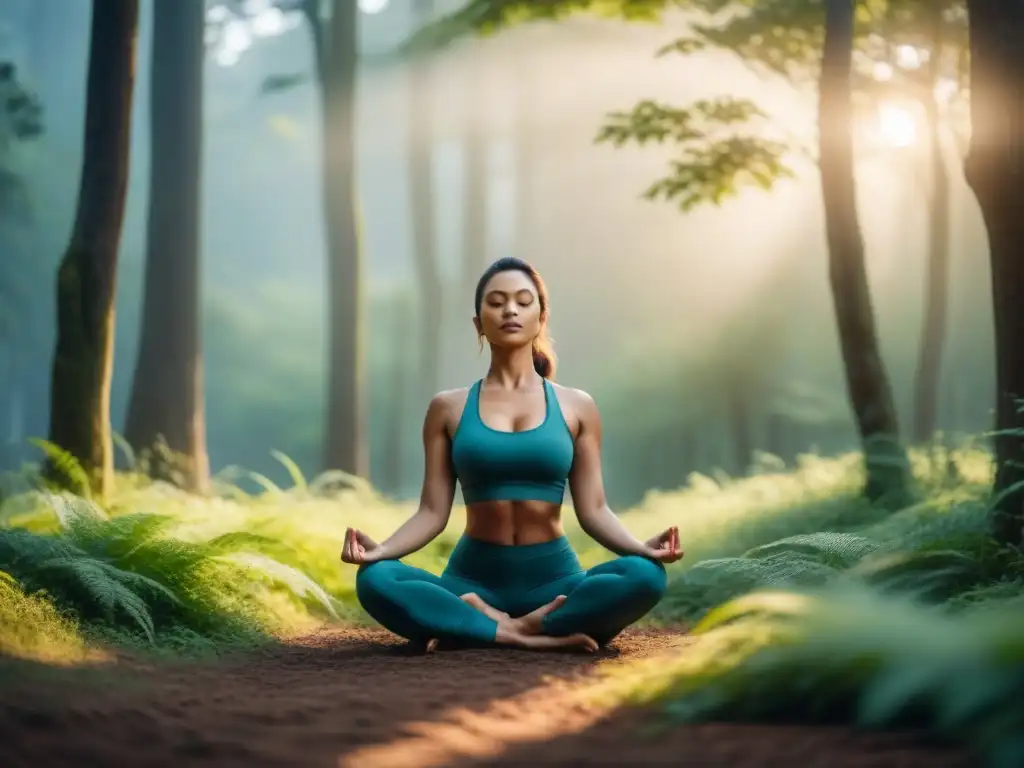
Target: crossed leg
(598,603)
(424,608)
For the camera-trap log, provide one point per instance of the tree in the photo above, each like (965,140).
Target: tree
(723,147)
(866,381)
(167,390)
(333,26)
(421,140)
(86,278)
(927,378)
(335,46)
(993,170)
(476,181)
(346,439)
(20,122)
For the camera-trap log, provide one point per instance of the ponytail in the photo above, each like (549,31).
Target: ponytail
(544,359)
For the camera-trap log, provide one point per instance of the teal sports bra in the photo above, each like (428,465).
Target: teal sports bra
(532,465)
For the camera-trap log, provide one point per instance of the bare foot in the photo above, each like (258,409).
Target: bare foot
(473,599)
(533,622)
(508,634)
(431,645)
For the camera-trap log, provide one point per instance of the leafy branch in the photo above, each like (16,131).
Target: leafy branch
(713,162)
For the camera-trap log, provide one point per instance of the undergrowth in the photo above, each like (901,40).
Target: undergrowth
(874,615)
(847,654)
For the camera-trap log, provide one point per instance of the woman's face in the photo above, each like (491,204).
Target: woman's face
(510,313)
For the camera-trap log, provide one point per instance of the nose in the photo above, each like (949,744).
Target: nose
(510,310)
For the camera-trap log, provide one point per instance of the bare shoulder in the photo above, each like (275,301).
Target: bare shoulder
(575,397)
(577,402)
(445,407)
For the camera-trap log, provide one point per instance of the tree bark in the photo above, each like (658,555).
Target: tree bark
(928,376)
(87,276)
(420,138)
(993,170)
(345,444)
(868,388)
(167,389)
(475,258)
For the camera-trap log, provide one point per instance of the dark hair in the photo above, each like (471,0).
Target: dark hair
(544,359)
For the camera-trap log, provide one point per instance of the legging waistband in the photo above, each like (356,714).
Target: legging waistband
(520,566)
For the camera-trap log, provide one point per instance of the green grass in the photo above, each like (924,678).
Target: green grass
(808,602)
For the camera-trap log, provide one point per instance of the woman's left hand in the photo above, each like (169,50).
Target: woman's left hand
(665,546)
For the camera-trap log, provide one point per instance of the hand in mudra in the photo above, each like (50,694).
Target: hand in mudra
(665,546)
(359,548)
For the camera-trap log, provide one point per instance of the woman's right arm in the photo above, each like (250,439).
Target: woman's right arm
(438,488)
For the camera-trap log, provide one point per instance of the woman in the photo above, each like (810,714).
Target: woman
(512,439)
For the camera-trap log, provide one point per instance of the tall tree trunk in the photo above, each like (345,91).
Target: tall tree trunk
(398,395)
(528,92)
(87,276)
(929,366)
(867,383)
(476,189)
(167,389)
(420,138)
(737,406)
(345,445)
(993,170)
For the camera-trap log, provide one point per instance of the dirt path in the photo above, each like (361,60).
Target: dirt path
(358,699)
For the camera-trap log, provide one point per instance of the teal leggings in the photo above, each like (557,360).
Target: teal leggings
(601,602)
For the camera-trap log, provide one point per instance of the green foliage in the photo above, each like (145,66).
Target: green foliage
(783,37)
(65,471)
(125,573)
(846,655)
(199,572)
(712,162)
(30,627)
(937,550)
(486,17)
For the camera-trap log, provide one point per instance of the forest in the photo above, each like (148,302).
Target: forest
(239,241)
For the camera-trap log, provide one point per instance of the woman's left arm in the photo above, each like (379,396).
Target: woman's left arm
(587,487)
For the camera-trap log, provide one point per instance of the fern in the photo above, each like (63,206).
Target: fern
(848,655)
(264,482)
(69,473)
(838,550)
(129,572)
(298,479)
(712,582)
(927,574)
(329,482)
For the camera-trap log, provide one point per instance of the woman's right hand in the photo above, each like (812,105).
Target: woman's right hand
(360,548)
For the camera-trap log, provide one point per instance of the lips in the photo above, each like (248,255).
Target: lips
(510,327)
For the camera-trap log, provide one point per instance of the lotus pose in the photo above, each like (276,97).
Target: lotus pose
(513,440)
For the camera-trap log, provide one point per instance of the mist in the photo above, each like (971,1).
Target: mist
(687,327)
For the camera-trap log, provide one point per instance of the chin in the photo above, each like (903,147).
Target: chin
(511,340)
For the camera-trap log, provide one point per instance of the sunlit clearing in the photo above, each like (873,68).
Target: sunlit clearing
(372,6)
(897,125)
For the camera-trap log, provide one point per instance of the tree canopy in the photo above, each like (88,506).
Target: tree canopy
(723,145)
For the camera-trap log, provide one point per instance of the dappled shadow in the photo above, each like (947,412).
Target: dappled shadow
(361,698)
(309,702)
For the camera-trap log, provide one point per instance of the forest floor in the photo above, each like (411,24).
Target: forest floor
(356,697)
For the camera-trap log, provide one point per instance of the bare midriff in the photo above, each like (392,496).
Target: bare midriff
(514,522)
